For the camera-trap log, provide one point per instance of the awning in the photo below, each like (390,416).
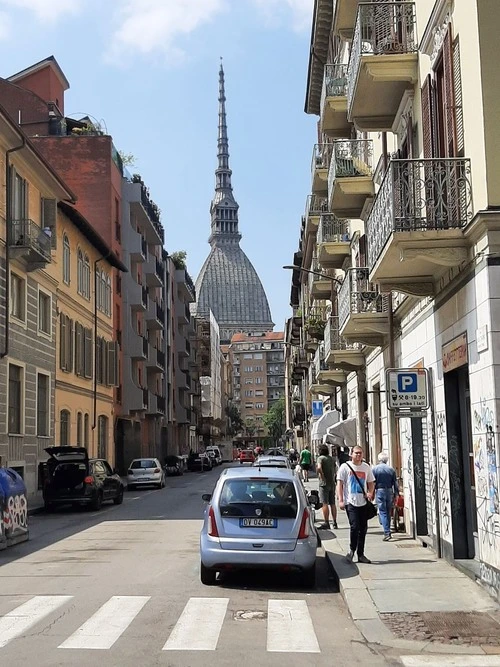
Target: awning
(343,433)
(319,427)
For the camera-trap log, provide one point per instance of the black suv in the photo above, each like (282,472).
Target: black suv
(71,477)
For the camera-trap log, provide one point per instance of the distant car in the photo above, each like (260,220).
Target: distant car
(174,466)
(247,456)
(145,472)
(258,519)
(198,462)
(272,462)
(274,451)
(71,477)
(214,452)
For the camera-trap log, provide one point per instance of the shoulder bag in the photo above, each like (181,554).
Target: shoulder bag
(371,509)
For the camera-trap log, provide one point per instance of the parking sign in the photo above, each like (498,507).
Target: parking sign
(317,408)
(407,389)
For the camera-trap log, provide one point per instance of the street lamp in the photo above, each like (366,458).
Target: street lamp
(315,273)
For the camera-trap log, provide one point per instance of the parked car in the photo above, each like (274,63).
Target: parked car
(258,519)
(70,476)
(247,456)
(272,462)
(145,472)
(198,462)
(274,451)
(214,452)
(174,466)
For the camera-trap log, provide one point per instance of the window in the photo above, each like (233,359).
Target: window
(103,292)
(79,426)
(42,404)
(65,428)
(15,415)
(18,297)
(248,392)
(247,356)
(259,406)
(258,355)
(248,380)
(249,406)
(248,369)
(259,392)
(102,436)
(19,198)
(83,351)
(66,260)
(258,380)
(258,369)
(44,313)
(83,283)
(66,327)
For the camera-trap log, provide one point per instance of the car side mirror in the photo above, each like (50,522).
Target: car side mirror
(207,497)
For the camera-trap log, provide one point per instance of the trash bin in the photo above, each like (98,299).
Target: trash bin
(3,539)
(15,507)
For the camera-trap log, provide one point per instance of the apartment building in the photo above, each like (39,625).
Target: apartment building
(258,376)
(211,364)
(397,262)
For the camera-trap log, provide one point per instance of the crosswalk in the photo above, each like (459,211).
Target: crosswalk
(290,627)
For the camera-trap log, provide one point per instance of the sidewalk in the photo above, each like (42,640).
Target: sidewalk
(408,599)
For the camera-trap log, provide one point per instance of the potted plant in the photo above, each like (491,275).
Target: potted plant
(315,327)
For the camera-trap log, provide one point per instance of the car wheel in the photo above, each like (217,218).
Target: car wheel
(97,502)
(309,577)
(207,575)
(119,498)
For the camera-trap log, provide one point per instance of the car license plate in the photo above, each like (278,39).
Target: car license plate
(145,479)
(258,523)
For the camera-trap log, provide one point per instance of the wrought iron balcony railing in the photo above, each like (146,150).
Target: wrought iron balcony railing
(26,234)
(333,339)
(419,195)
(381,28)
(351,158)
(322,154)
(358,295)
(332,229)
(334,82)
(316,205)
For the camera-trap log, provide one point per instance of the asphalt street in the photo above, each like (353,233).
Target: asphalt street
(121,587)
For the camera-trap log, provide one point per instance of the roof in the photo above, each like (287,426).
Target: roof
(251,472)
(46,62)
(318,53)
(268,336)
(91,235)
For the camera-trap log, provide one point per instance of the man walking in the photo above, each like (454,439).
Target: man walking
(355,487)
(386,489)
(305,462)
(325,465)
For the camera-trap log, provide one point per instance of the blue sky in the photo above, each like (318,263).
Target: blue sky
(149,70)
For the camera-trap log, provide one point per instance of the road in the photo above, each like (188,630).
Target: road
(121,586)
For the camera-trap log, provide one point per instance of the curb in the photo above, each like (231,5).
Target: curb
(366,618)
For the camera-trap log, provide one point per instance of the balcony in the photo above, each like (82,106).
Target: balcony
(155,359)
(315,206)
(319,168)
(182,312)
(137,296)
(300,360)
(31,243)
(344,17)
(185,285)
(334,241)
(147,212)
(137,246)
(320,287)
(350,178)
(383,63)
(415,228)
(333,105)
(156,405)
(317,387)
(362,310)
(155,315)
(338,352)
(135,399)
(138,347)
(151,274)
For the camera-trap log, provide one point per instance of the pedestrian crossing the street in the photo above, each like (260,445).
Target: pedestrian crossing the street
(290,628)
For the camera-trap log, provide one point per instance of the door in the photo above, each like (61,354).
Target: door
(459,435)
(419,486)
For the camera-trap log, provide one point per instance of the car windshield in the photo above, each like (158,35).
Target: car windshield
(274,498)
(143,463)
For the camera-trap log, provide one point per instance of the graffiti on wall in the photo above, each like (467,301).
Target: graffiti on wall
(444,502)
(490,577)
(15,516)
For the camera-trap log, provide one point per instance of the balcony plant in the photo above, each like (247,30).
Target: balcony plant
(315,327)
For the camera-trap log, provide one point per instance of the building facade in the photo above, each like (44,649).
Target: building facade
(400,234)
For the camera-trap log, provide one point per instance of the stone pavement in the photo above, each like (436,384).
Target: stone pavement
(404,582)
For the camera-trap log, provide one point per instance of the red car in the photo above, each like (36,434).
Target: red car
(247,456)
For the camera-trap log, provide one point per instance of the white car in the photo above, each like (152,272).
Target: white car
(145,472)
(214,453)
(272,462)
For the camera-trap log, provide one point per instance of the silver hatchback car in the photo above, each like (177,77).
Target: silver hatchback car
(258,519)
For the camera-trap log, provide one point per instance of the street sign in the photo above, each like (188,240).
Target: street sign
(317,408)
(407,389)
(410,414)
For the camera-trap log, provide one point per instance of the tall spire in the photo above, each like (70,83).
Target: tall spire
(224,209)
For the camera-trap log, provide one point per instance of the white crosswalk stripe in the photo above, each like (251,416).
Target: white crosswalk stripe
(19,620)
(450,660)
(199,625)
(289,624)
(290,627)
(103,629)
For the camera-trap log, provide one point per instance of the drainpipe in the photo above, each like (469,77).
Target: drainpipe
(94,383)
(8,215)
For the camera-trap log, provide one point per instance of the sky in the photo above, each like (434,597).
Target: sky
(148,71)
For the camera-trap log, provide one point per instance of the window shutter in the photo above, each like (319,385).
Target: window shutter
(71,339)
(457,85)
(428,117)
(87,353)
(79,349)
(63,342)
(112,348)
(449,95)
(98,360)
(49,217)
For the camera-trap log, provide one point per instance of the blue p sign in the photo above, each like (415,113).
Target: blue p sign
(407,383)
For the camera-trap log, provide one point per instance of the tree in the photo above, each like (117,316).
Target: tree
(179,259)
(235,422)
(128,159)
(274,420)
(250,427)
